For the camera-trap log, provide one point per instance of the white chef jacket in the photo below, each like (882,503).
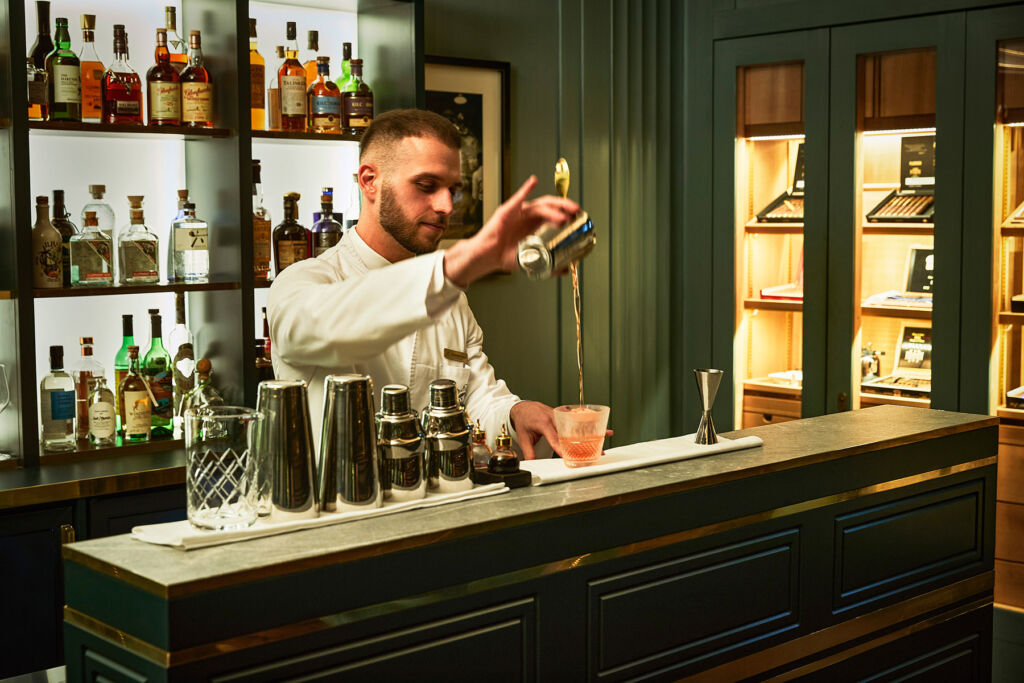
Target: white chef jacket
(351,310)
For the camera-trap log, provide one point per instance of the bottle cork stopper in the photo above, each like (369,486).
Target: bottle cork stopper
(323,60)
(182,195)
(133,351)
(97,191)
(42,199)
(294,196)
(85,340)
(135,200)
(90,218)
(88,22)
(204,366)
(279,50)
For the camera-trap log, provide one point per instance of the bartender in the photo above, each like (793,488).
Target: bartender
(385,303)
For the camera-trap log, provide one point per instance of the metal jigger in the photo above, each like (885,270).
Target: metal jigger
(707,386)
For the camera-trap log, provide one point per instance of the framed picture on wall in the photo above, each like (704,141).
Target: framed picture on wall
(474,95)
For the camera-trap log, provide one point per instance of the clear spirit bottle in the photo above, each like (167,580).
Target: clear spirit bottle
(47,261)
(104,213)
(57,405)
(62,222)
(191,247)
(260,228)
(102,414)
(180,344)
(84,373)
(134,401)
(91,256)
(65,77)
(326,232)
(156,369)
(203,394)
(182,200)
(138,249)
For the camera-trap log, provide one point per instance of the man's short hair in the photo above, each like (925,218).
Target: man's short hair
(393,126)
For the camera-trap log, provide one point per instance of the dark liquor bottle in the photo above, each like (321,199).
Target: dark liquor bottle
(326,232)
(122,87)
(356,102)
(61,221)
(260,228)
(164,86)
(65,75)
(134,401)
(196,87)
(44,43)
(324,101)
(159,372)
(291,240)
(292,83)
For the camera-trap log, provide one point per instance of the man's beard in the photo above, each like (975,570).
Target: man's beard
(405,231)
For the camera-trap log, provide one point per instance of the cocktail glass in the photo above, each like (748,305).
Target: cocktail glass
(581,430)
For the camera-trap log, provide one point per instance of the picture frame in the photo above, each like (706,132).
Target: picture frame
(474,95)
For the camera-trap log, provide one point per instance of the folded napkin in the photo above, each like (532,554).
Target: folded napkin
(634,456)
(187,537)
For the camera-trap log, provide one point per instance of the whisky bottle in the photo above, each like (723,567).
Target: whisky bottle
(176,45)
(158,371)
(182,201)
(326,231)
(324,101)
(181,345)
(44,43)
(292,82)
(191,247)
(102,411)
(47,257)
(134,402)
(57,405)
(196,87)
(121,361)
(310,65)
(86,371)
(164,85)
(356,102)
(122,87)
(65,77)
(274,93)
(138,249)
(38,97)
(260,228)
(257,79)
(67,230)
(92,70)
(203,394)
(91,256)
(291,240)
(355,203)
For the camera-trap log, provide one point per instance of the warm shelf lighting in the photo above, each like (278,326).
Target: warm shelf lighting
(1014,124)
(757,138)
(902,131)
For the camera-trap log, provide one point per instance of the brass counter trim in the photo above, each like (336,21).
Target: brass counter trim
(122,482)
(199,652)
(127,641)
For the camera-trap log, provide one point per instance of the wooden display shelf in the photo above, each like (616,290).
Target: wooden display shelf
(764,385)
(1011,318)
(1004,412)
(126,130)
(868,399)
(164,287)
(87,451)
(897,312)
(775,228)
(898,228)
(774,305)
(262,284)
(290,135)
(5,294)
(1011,231)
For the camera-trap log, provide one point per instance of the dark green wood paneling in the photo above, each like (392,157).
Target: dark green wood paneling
(391,43)
(984,30)
(946,34)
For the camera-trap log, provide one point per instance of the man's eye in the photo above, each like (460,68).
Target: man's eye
(426,187)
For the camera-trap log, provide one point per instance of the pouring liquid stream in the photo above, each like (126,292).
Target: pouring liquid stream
(575,272)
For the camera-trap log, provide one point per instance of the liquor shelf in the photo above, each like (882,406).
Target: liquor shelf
(126,130)
(5,294)
(756,228)
(1010,318)
(925,229)
(289,136)
(774,305)
(162,288)
(86,451)
(897,312)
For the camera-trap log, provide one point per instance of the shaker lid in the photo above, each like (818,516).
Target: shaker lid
(394,399)
(443,394)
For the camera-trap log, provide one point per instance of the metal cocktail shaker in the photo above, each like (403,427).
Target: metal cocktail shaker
(449,434)
(284,450)
(552,248)
(400,446)
(348,445)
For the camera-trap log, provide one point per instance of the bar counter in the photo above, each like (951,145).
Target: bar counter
(847,545)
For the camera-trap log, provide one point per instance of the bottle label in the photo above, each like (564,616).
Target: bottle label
(290,251)
(326,112)
(261,240)
(197,102)
(257,94)
(358,110)
(191,239)
(92,95)
(37,92)
(161,384)
(67,84)
(164,101)
(101,420)
(128,107)
(49,263)
(142,258)
(322,241)
(138,412)
(62,405)
(293,95)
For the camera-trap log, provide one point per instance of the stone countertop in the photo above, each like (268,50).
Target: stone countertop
(168,571)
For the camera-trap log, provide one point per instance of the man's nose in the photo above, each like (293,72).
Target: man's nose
(443,203)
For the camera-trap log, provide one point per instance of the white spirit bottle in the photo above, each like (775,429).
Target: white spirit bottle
(138,249)
(104,213)
(102,414)
(91,255)
(182,200)
(86,371)
(57,405)
(191,247)
(47,258)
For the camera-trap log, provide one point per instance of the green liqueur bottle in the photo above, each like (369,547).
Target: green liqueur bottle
(65,78)
(346,67)
(158,371)
(121,360)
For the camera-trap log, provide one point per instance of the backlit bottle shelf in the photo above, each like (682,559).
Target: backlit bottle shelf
(925,229)
(86,451)
(124,130)
(291,136)
(754,227)
(160,288)
(773,305)
(897,312)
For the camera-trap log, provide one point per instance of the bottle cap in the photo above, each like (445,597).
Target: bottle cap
(290,30)
(85,340)
(136,215)
(41,199)
(479,435)
(97,191)
(293,196)
(119,29)
(194,39)
(153,311)
(90,218)
(133,351)
(170,13)
(58,196)
(346,50)
(203,367)
(161,37)
(313,40)
(323,60)
(56,356)
(279,50)
(252,27)
(135,200)
(62,21)
(504,440)
(88,22)
(182,195)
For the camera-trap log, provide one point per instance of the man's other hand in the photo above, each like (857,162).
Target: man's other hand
(532,420)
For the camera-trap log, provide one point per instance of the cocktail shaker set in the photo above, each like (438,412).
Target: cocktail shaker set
(365,458)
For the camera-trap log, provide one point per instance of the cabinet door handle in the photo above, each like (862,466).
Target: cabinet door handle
(67,534)
(841,401)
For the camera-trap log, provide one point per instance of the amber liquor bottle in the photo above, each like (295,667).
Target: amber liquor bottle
(92,71)
(257,80)
(313,45)
(134,401)
(324,101)
(356,102)
(164,86)
(291,240)
(260,228)
(179,59)
(292,83)
(196,87)
(122,87)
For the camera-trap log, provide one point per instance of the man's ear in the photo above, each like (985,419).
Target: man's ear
(369,180)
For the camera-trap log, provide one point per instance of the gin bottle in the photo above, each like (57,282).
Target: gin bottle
(138,249)
(102,414)
(181,345)
(57,405)
(86,371)
(191,247)
(91,256)
(326,231)
(182,200)
(203,394)
(47,264)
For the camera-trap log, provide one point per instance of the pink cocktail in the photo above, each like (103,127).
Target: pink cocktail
(581,430)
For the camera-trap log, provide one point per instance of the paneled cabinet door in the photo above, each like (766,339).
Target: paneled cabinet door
(32,588)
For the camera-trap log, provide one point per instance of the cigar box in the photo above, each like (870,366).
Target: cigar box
(788,207)
(914,201)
